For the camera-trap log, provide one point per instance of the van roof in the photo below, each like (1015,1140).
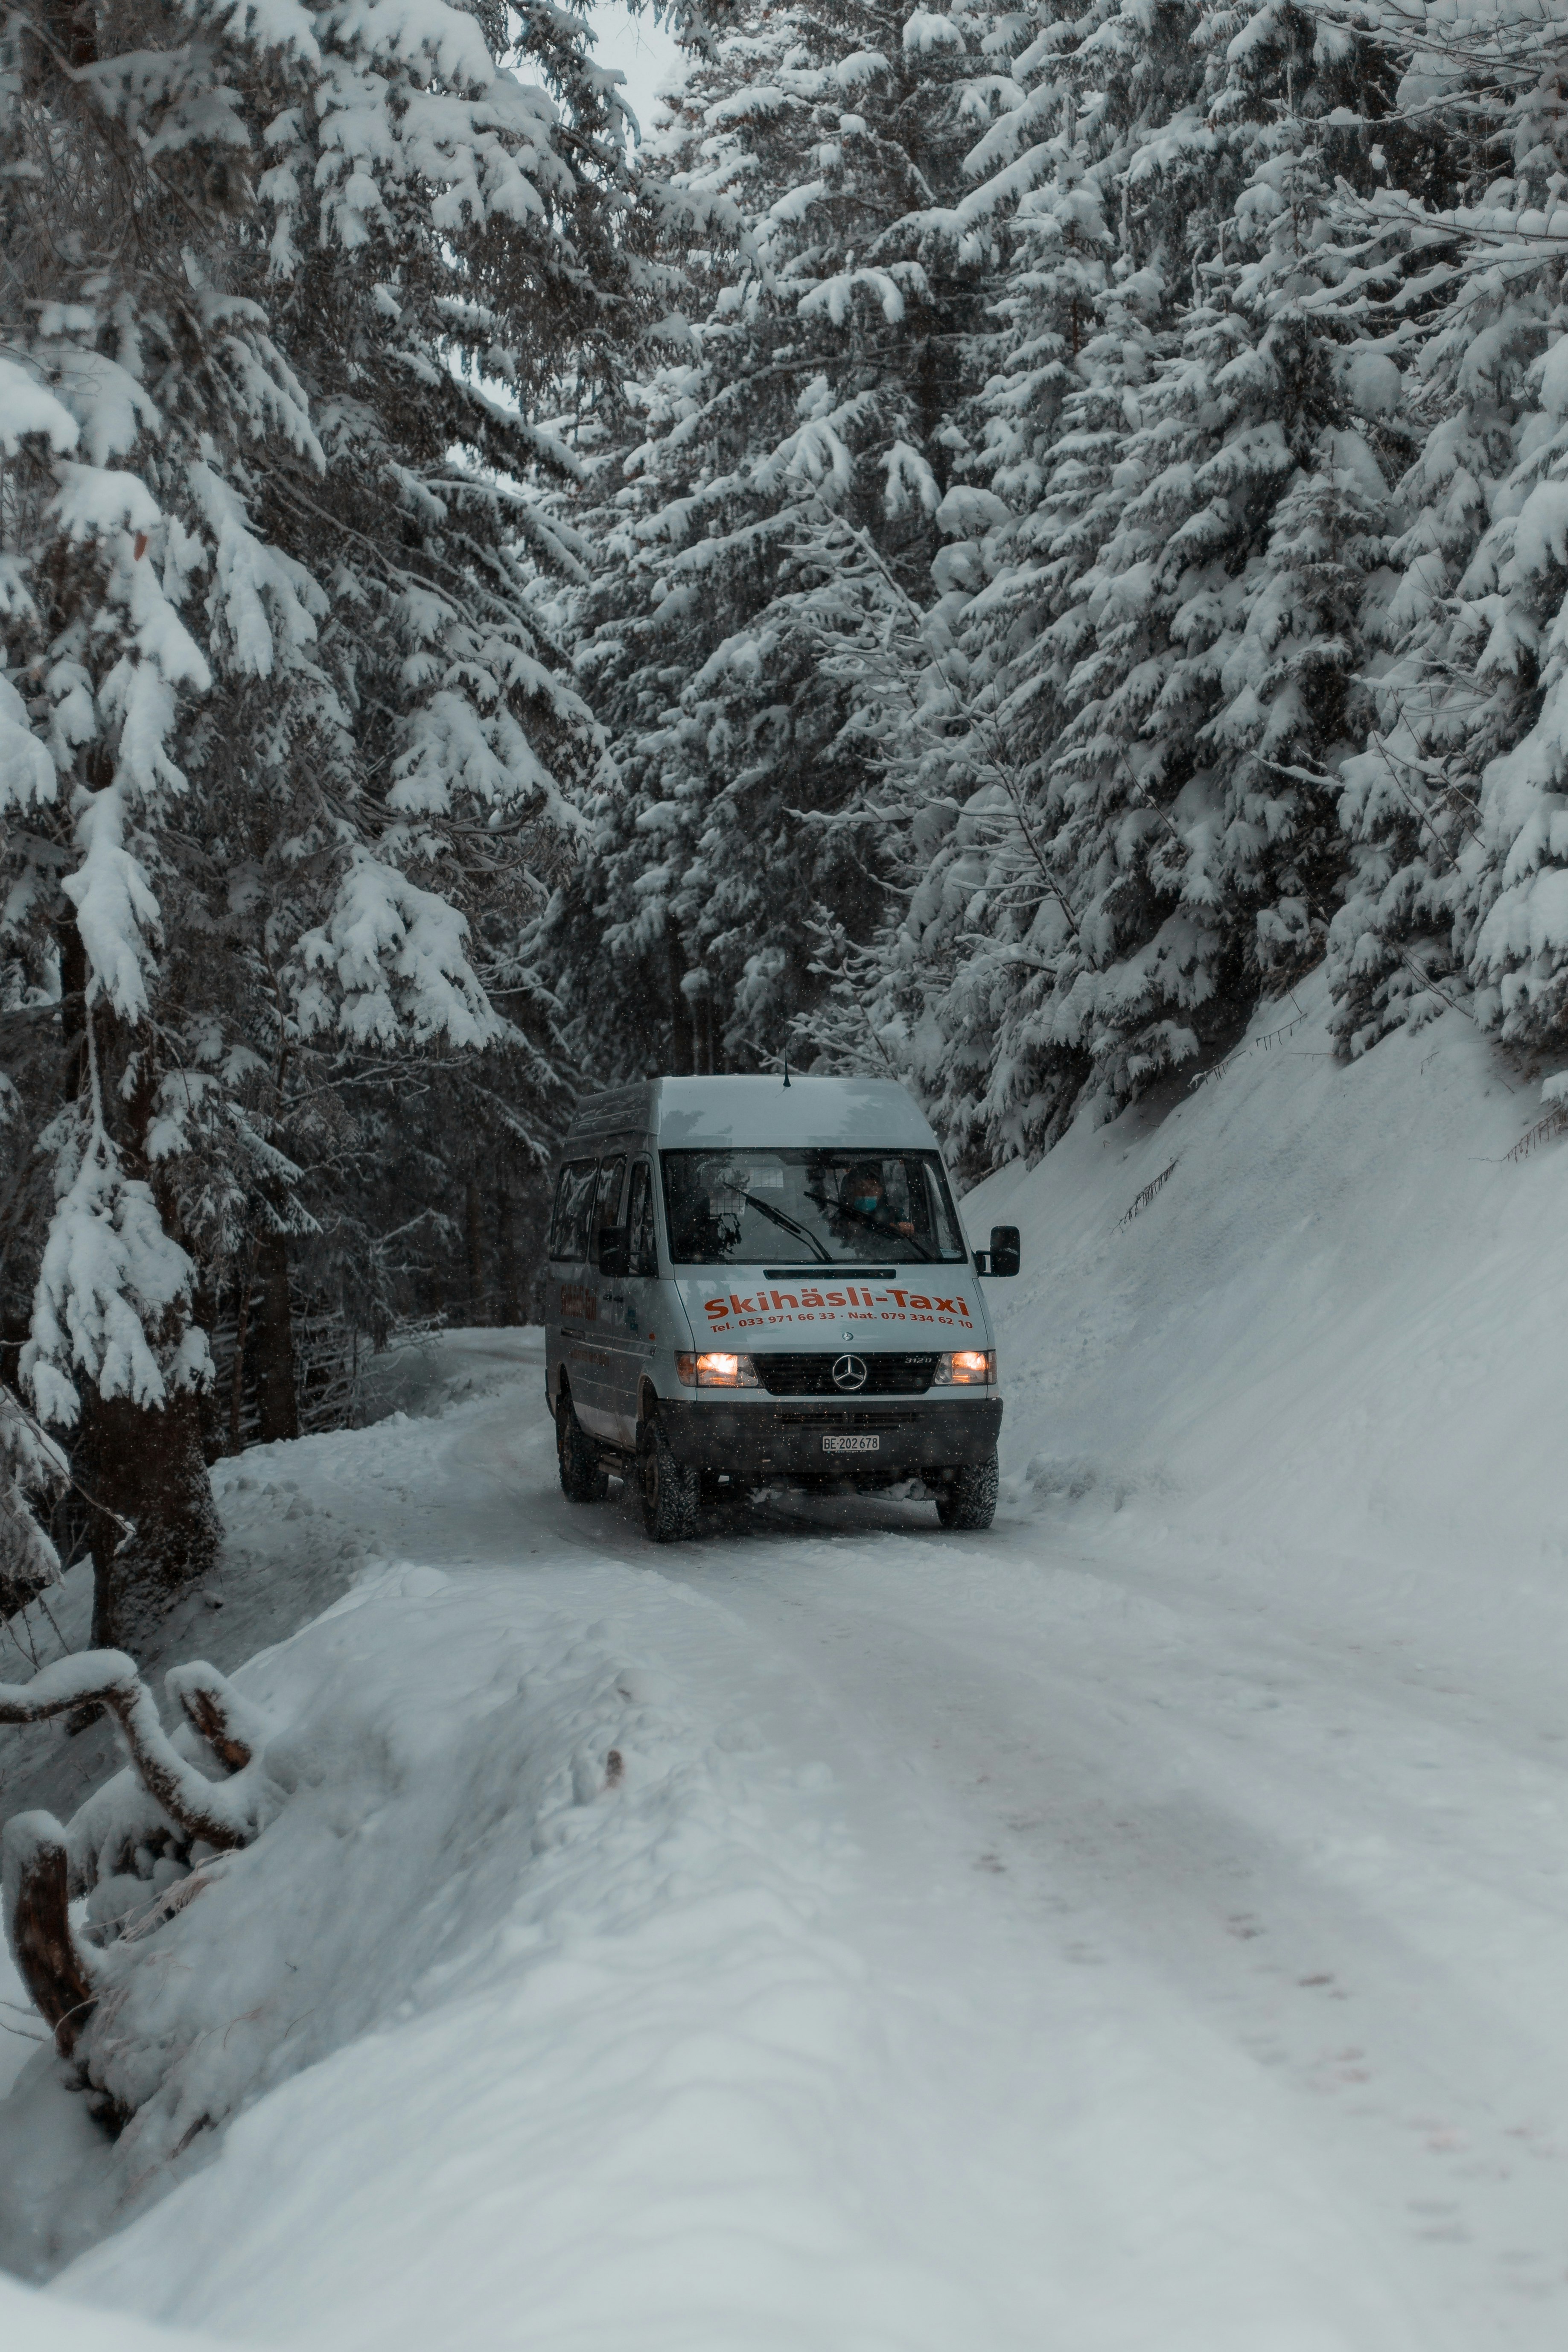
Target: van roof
(759,1111)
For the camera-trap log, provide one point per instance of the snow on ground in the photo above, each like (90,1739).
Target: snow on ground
(20,2030)
(1143,1925)
(37,2323)
(1337,1324)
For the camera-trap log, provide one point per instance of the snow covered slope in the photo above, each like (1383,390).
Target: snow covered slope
(1144,1926)
(1336,1328)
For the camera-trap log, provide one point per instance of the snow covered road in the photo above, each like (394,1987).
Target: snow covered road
(1256,1900)
(1081,1936)
(1311,1888)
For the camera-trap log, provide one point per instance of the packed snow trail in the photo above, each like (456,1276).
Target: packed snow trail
(1305,1862)
(1190,1973)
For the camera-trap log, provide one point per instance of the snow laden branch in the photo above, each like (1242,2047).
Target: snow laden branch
(286,721)
(222,1815)
(146,1830)
(31,1464)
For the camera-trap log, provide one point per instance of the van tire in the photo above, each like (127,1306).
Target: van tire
(669,1491)
(581,1479)
(969,1503)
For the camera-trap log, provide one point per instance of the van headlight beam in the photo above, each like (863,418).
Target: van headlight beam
(716,1369)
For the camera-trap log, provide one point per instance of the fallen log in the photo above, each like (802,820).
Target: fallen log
(221,1813)
(38,1925)
(161,1808)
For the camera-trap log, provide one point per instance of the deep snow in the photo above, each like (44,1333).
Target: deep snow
(1141,1927)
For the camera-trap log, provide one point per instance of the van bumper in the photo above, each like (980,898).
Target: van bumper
(777,1440)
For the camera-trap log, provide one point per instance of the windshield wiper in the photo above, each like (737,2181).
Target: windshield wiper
(899,1243)
(780,1218)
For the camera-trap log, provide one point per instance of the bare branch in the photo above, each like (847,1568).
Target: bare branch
(222,1813)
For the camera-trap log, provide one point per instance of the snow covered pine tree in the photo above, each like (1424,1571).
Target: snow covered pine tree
(271,692)
(1166,642)
(1454,808)
(765,526)
(31,1468)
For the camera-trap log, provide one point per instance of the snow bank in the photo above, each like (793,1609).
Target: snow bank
(488,2029)
(1309,1308)
(39,2322)
(571,1905)
(529,1979)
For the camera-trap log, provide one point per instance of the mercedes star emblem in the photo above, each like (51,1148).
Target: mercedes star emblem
(849,1372)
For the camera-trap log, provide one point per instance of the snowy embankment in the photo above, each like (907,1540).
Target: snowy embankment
(1144,1925)
(527,1950)
(1334,1333)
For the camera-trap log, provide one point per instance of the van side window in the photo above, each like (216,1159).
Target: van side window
(606,1212)
(569,1224)
(642,1251)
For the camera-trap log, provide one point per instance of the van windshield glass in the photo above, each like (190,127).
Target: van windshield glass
(838,1207)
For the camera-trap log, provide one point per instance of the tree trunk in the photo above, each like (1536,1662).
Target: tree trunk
(506,1254)
(145,1464)
(681,1056)
(705,1015)
(474,1243)
(244,1286)
(273,1343)
(154,1532)
(73,1010)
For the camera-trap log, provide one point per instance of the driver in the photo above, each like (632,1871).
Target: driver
(863,1195)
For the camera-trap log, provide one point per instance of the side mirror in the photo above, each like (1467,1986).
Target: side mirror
(612,1249)
(1002,1256)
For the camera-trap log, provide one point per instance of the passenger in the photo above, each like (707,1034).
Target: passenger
(863,1196)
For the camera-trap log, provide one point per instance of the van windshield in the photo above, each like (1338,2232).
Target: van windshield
(786,1207)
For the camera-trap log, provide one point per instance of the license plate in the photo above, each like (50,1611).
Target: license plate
(851,1445)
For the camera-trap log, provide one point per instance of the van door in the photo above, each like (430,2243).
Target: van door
(629,1303)
(573,1277)
(590,1363)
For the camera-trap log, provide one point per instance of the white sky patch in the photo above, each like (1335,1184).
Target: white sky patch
(647,54)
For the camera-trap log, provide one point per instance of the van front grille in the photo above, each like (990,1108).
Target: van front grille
(848,1419)
(812,1375)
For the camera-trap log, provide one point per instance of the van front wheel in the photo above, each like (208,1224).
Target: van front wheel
(581,1479)
(969,1502)
(669,1489)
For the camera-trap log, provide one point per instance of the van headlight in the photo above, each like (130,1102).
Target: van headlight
(716,1369)
(966,1368)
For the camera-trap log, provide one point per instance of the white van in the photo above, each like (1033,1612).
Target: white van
(758,1282)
